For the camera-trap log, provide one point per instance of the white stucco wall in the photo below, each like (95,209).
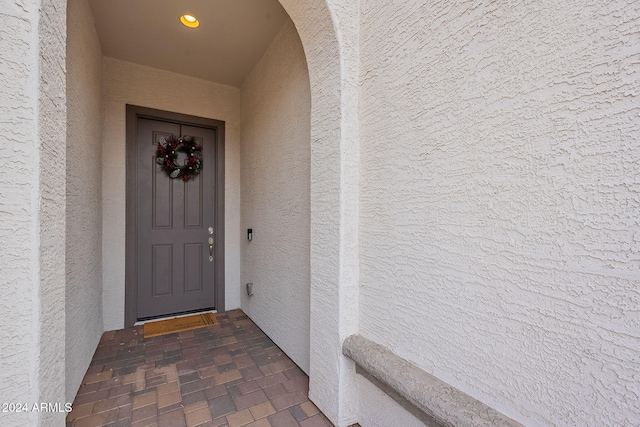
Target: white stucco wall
(18,207)
(376,409)
(499,227)
(329,34)
(128,83)
(275,203)
(84,198)
(51,229)
(32,225)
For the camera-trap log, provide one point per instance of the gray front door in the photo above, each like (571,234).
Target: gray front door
(174,270)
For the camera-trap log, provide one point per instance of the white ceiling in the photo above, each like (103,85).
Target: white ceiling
(233,34)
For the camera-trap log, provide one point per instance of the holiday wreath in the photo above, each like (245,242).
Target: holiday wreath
(167,156)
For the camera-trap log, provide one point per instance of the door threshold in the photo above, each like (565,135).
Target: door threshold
(171,316)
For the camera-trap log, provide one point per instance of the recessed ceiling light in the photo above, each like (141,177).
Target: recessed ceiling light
(189,21)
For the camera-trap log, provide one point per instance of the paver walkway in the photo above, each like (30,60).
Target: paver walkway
(229,375)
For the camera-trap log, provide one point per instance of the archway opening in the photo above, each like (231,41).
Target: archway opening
(276,104)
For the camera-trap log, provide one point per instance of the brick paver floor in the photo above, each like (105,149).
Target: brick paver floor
(229,375)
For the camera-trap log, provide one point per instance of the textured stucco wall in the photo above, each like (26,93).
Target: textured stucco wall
(500,186)
(18,207)
(52,114)
(275,167)
(84,198)
(32,225)
(128,83)
(329,34)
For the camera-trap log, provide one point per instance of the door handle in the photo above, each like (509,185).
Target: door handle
(210,240)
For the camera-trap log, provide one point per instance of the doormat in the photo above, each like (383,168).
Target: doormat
(179,324)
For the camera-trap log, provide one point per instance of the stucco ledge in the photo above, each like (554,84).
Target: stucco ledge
(429,399)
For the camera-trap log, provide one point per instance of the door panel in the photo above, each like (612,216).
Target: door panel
(174,271)
(162,279)
(193,204)
(162,201)
(193,267)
